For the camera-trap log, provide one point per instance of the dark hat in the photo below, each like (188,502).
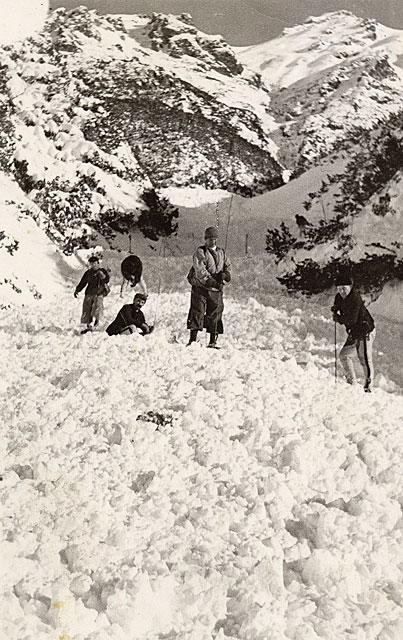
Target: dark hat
(140,296)
(343,280)
(211,232)
(92,259)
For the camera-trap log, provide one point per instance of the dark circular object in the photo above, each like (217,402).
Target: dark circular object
(132,268)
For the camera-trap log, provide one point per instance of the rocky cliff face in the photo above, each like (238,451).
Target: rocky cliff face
(93,117)
(330,78)
(337,95)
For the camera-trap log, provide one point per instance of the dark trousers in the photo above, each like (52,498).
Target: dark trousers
(205,311)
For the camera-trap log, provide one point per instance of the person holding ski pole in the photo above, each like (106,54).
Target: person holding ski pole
(349,309)
(95,279)
(130,318)
(210,271)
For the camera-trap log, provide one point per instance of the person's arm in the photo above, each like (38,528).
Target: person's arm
(139,321)
(335,309)
(350,314)
(145,328)
(123,286)
(104,275)
(201,272)
(143,286)
(83,283)
(226,274)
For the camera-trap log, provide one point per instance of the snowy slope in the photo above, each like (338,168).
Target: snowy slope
(265,504)
(94,115)
(360,228)
(330,78)
(21,21)
(319,44)
(28,258)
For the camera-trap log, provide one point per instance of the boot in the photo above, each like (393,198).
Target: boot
(192,337)
(87,329)
(213,341)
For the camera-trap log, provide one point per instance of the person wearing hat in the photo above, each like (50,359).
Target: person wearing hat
(350,310)
(95,281)
(210,271)
(130,318)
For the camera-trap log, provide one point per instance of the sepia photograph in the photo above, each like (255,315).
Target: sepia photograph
(201,319)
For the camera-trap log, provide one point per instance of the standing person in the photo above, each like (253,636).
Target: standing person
(210,270)
(350,310)
(95,279)
(130,318)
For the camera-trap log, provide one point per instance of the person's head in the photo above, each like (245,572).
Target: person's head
(94,262)
(344,284)
(139,300)
(210,237)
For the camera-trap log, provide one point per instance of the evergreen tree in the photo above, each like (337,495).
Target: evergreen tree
(159,221)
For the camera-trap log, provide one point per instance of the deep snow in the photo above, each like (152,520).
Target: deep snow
(268,508)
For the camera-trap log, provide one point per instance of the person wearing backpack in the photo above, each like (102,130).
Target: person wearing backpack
(95,279)
(349,309)
(210,271)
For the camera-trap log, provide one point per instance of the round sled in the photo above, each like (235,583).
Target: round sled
(132,269)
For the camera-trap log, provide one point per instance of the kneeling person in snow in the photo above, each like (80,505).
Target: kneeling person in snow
(96,280)
(130,318)
(350,310)
(211,269)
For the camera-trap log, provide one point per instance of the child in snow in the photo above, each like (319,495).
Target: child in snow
(130,318)
(350,310)
(210,271)
(95,279)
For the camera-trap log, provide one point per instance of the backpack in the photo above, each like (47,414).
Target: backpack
(106,290)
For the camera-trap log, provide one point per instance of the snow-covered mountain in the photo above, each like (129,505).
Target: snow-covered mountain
(329,77)
(337,92)
(100,117)
(320,44)
(146,491)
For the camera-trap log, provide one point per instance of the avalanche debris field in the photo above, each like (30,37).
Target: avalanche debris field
(153,491)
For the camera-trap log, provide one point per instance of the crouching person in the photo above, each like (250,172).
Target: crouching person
(130,318)
(350,310)
(210,270)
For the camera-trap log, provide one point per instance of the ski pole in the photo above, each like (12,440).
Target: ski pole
(228,221)
(161,250)
(335,352)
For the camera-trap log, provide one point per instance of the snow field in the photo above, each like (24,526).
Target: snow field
(267,509)
(22,20)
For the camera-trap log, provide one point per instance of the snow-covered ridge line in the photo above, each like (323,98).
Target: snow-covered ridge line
(319,44)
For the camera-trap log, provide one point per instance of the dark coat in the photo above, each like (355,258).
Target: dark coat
(127,315)
(94,281)
(352,312)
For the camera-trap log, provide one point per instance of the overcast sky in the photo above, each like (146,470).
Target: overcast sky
(248,22)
